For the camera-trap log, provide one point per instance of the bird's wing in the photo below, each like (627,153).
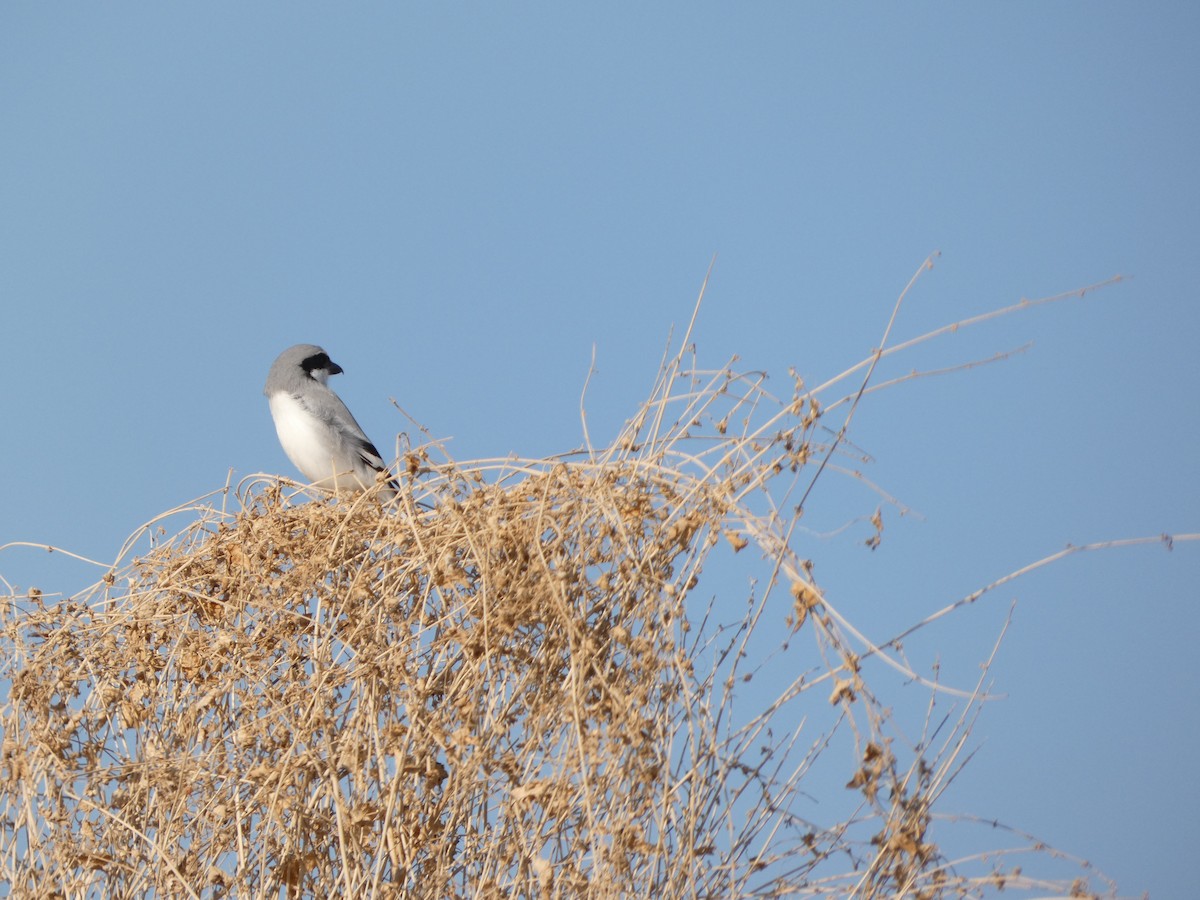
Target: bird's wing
(329,408)
(367,452)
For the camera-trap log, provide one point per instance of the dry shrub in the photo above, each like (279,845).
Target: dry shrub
(518,692)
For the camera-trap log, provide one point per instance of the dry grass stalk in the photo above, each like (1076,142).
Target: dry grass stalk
(517,693)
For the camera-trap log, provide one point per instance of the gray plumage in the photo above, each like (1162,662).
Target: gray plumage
(316,430)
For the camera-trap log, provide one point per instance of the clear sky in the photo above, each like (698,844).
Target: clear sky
(459,201)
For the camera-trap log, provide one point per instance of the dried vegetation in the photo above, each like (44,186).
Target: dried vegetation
(521,691)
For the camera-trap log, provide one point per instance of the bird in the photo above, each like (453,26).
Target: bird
(318,433)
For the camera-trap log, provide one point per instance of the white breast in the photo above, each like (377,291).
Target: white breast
(314,448)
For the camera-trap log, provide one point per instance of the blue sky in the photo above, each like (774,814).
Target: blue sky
(459,202)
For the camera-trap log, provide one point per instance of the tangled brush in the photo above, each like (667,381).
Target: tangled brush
(520,691)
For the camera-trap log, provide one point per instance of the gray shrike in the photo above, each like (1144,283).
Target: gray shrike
(318,433)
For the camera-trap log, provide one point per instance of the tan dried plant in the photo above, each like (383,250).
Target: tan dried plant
(517,691)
